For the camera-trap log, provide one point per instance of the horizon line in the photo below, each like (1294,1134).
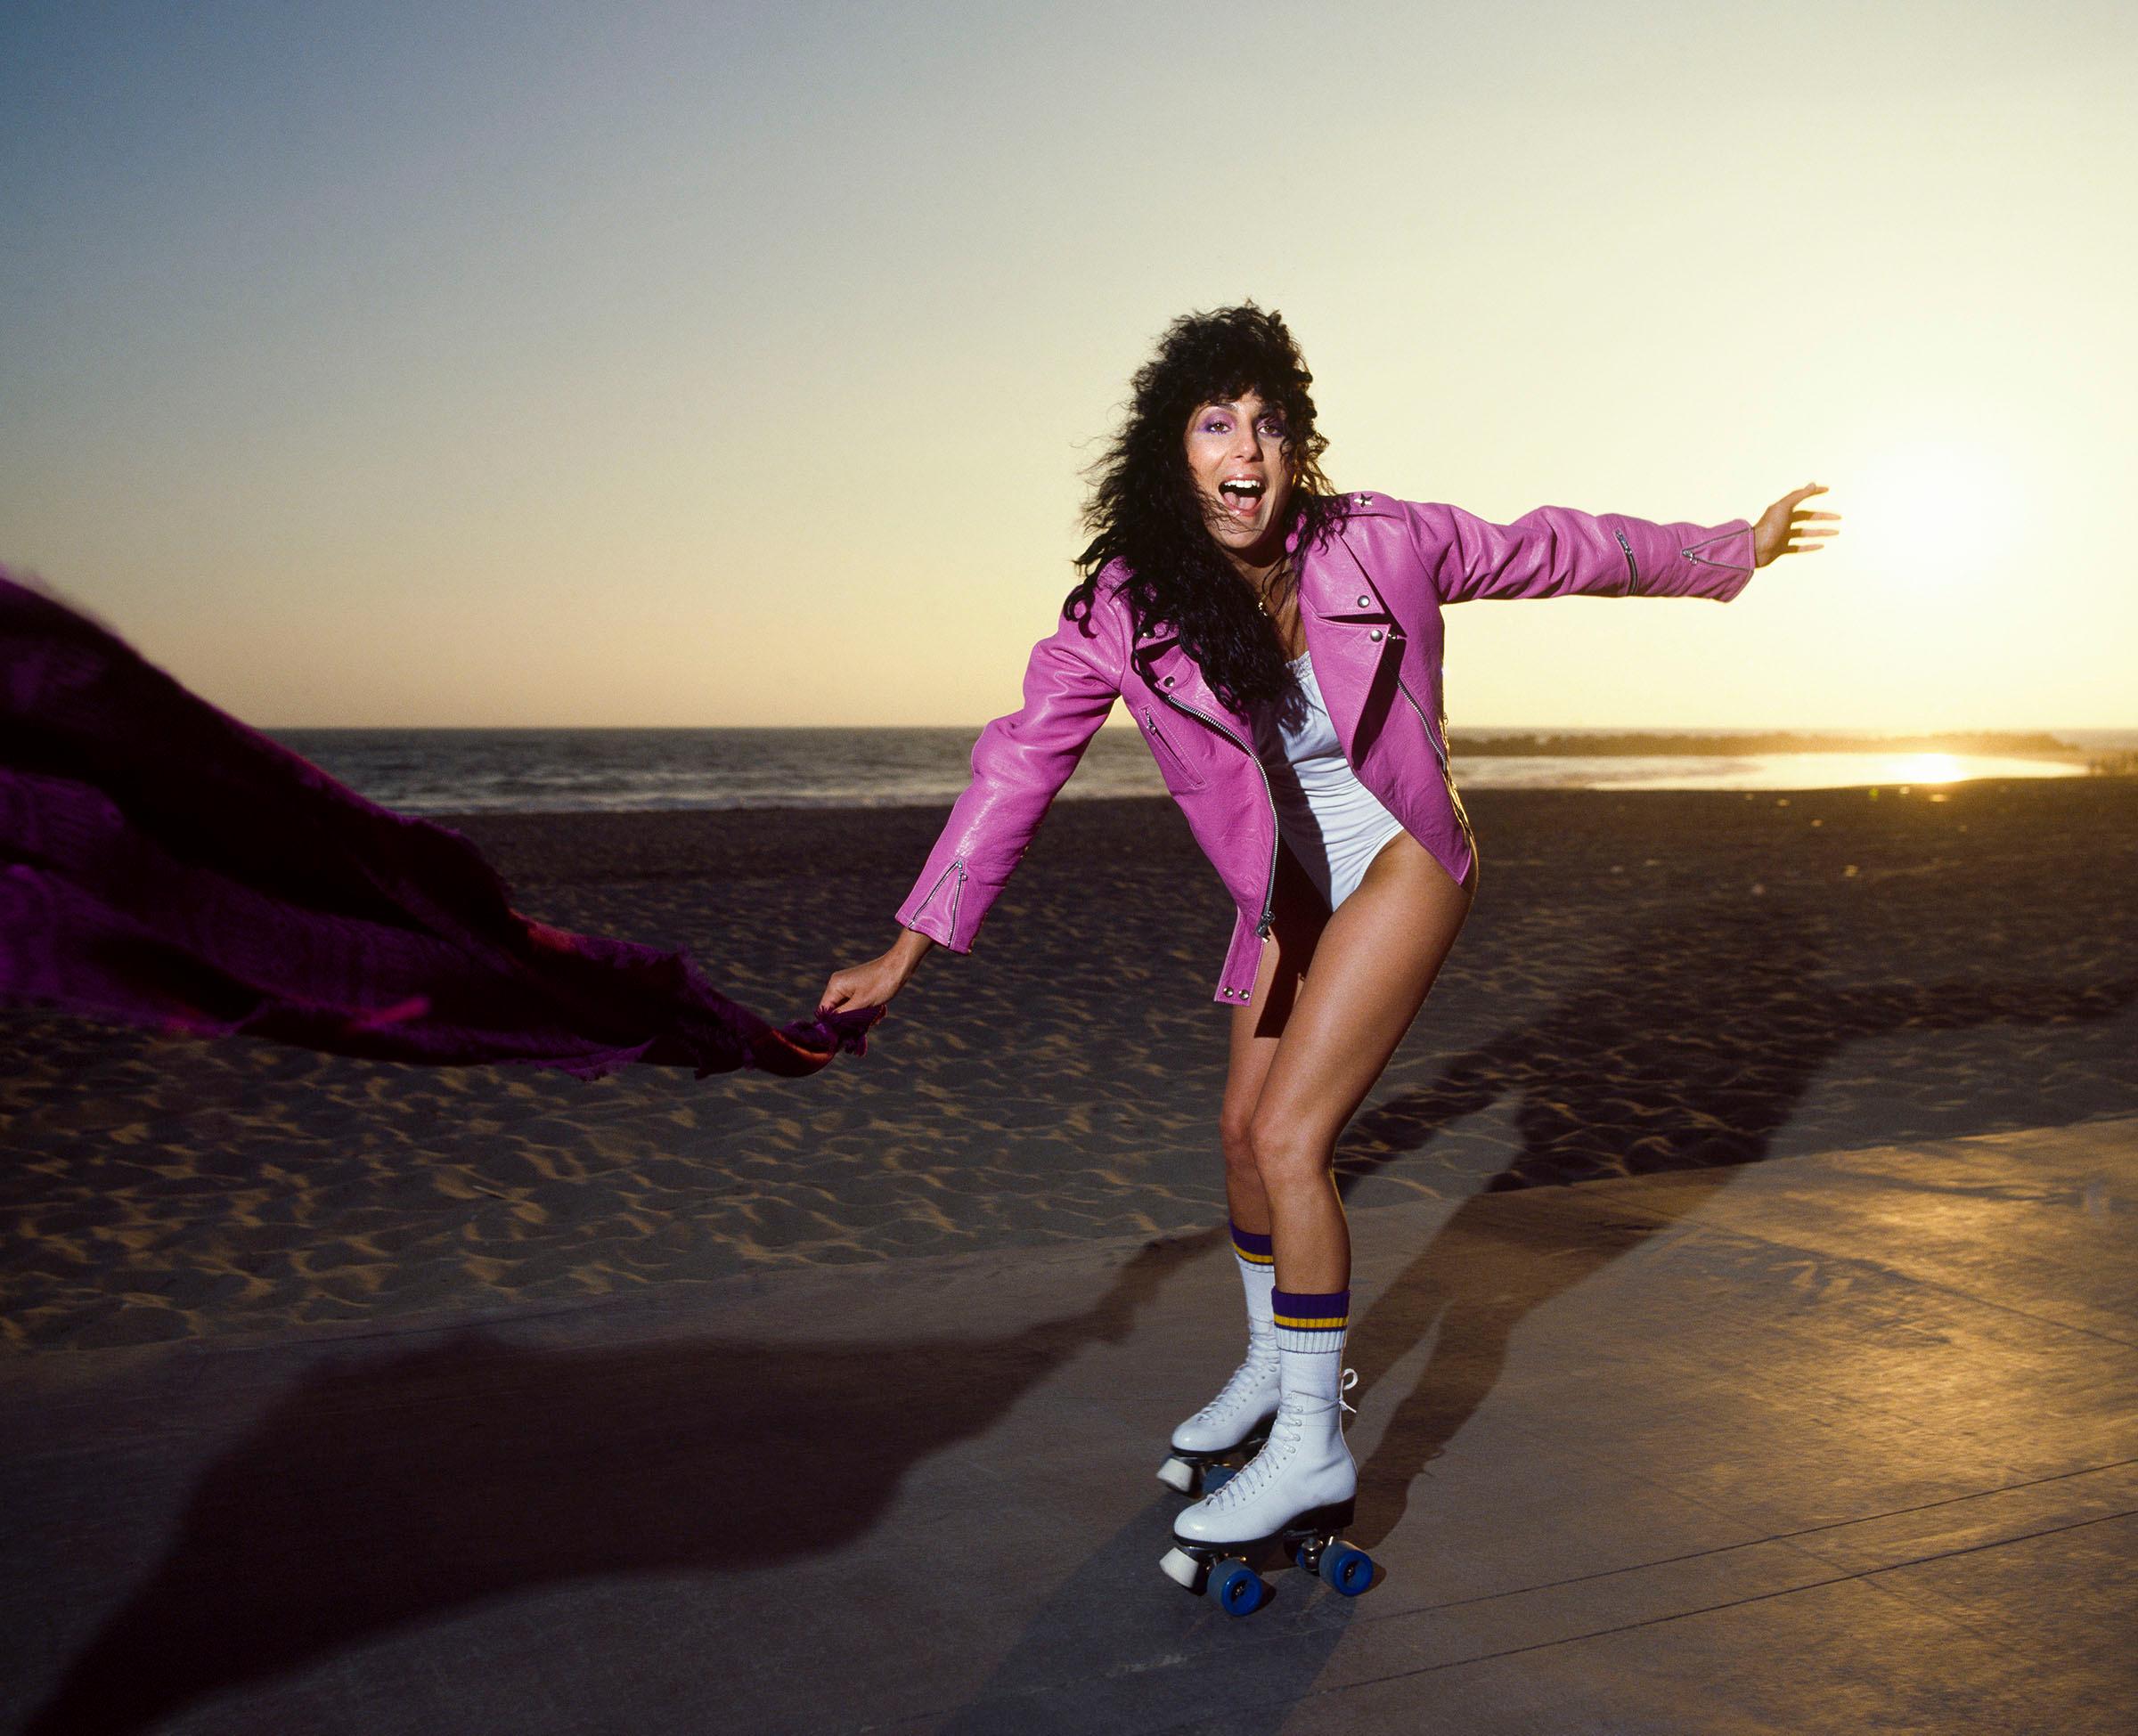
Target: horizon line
(1472,729)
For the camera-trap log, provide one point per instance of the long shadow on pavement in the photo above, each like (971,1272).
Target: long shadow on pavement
(374,1497)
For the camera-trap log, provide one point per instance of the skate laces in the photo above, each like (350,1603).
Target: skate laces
(1298,1404)
(1292,1412)
(1250,1374)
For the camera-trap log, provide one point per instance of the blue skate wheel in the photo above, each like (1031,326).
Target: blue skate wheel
(1349,1569)
(1237,1588)
(1215,1477)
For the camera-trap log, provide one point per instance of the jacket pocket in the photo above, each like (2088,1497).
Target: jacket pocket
(1178,772)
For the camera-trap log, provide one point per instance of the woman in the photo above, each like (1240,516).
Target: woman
(1279,643)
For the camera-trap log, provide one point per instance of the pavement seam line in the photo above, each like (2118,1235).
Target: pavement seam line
(1895,1275)
(1728,1603)
(1755,1543)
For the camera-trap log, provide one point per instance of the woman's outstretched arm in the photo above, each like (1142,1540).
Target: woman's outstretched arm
(1562,551)
(1019,763)
(1559,551)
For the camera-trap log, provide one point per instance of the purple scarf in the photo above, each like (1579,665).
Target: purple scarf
(161,863)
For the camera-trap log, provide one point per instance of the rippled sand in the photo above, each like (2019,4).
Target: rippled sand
(1649,981)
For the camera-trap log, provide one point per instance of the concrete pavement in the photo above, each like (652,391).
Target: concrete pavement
(1841,1442)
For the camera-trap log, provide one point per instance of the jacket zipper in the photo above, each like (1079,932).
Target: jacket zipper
(1261,929)
(1440,754)
(1707,542)
(1633,573)
(1174,753)
(956,867)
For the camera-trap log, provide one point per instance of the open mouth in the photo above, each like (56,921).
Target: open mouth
(1241,495)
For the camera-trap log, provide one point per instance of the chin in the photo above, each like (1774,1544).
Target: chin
(1230,532)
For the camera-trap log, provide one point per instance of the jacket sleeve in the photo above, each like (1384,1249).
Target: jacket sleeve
(1019,763)
(1557,552)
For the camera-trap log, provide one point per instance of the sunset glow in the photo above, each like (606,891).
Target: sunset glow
(1938,513)
(703,365)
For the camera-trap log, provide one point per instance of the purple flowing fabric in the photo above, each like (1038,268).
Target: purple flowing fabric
(162,864)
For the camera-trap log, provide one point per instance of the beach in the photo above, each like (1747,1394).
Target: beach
(1648,982)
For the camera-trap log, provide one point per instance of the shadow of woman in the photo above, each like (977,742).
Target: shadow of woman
(372,1497)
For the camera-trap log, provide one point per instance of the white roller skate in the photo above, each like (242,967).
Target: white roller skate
(1297,1492)
(1235,1422)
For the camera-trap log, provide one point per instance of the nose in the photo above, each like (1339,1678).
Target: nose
(1246,443)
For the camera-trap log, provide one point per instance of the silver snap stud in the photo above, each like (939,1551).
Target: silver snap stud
(1365,602)
(1375,634)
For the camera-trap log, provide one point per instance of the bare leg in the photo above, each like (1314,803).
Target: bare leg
(1371,967)
(1256,1027)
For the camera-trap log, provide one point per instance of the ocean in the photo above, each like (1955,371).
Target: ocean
(439,771)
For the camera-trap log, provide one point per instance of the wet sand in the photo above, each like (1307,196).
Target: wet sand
(1648,982)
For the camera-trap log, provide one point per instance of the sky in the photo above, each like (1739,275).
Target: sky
(542,363)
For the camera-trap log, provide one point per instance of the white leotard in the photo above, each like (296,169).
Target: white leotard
(1329,820)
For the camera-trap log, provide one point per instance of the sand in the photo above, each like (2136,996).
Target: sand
(1648,982)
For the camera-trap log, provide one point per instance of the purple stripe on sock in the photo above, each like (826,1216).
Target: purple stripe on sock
(1248,1243)
(1312,1304)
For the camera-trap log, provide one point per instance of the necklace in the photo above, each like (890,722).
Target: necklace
(1284,582)
(1276,581)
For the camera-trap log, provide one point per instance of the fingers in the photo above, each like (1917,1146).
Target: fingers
(856,991)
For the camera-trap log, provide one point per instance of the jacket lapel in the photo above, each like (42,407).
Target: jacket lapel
(1351,633)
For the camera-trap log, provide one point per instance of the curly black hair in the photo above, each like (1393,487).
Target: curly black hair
(1144,512)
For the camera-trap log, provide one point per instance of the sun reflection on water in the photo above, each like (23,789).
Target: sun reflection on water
(1924,768)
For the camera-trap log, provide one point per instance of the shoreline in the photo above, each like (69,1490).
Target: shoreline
(679,771)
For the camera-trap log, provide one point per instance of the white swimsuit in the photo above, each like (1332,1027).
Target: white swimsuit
(1331,821)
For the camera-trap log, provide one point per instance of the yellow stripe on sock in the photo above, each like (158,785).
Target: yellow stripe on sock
(1335,1320)
(1255,1259)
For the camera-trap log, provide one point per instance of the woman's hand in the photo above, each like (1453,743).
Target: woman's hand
(1783,529)
(874,983)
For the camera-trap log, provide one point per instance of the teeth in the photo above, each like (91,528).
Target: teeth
(1241,485)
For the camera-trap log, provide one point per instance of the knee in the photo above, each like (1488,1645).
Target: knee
(1288,1153)
(1236,1137)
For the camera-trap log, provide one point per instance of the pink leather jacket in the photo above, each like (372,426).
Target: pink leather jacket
(1370,598)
